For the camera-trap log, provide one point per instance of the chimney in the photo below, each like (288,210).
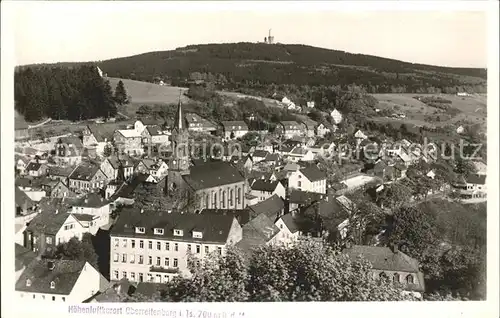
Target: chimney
(50,265)
(394,247)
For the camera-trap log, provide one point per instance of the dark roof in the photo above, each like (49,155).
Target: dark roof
(304,197)
(260,153)
(384,258)
(234,125)
(476,179)
(313,173)
(212,174)
(270,207)
(48,222)
(257,232)
(272,157)
(124,160)
(290,125)
(309,123)
(33,166)
(241,215)
(24,256)
(290,222)
(101,133)
(154,130)
(23,199)
(60,171)
(329,209)
(83,217)
(264,185)
(74,141)
(84,172)
(64,275)
(215,228)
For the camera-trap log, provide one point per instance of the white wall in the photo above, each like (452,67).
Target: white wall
(63,235)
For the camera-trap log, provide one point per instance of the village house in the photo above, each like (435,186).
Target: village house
(129,141)
(95,139)
(68,151)
(360,136)
(264,189)
(116,167)
(234,129)
(309,126)
(323,128)
(36,169)
(259,155)
(472,187)
(309,178)
(336,116)
(21,164)
(51,228)
(70,281)
(154,135)
(289,129)
(31,187)
(310,104)
(460,129)
(94,205)
(197,123)
(61,190)
(156,168)
(298,199)
(299,154)
(322,149)
(273,207)
(86,177)
(391,264)
(60,173)
(259,231)
(152,246)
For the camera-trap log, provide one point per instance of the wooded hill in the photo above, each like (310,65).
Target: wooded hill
(236,66)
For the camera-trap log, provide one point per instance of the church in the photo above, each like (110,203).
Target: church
(215,184)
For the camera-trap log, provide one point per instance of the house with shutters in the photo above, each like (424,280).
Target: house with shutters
(86,178)
(336,116)
(152,246)
(94,206)
(324,128)
(61,190)
(309,178)
(96,138)
(391,264)
(264,189)
(289,129)
(68,151)
(58,281)
(155,135)
(197,123)
(36,169)
(234,129)
(116,167)
(157,168)
(129,141)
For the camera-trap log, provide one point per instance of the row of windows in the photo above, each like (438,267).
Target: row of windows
(140,277)
(397,278)
(166,246)
(140,258)
(222,194)
(43,297)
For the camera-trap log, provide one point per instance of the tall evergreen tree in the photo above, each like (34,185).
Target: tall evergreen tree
(121,94)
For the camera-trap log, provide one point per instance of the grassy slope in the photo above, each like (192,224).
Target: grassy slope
(473,108)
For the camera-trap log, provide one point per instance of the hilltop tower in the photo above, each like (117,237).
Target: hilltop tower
(270,38)
(179,163)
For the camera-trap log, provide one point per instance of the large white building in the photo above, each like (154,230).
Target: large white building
(153,246)
(309,179)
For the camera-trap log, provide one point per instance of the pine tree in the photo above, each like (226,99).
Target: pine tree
(121,94)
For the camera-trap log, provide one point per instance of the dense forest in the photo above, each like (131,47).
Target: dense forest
(255,66)
(74,93)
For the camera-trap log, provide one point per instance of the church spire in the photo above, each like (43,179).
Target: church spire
(179,118)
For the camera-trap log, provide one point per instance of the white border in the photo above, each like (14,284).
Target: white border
(487,308)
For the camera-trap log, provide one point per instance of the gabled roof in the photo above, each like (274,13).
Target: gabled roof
(60,171)
(24,256)
(48,222)
(90,200)
(238,125)
(304,197)
(23,199)
(329,208)
(309,123)
(313,173)
(212,174)
(260,153)
(100,133)
(299,151)
(257,232)
(215,228)
(264,185)
(148,289)
(155,130)
(84,172)
(241,215)
(129,133)
(33,166)
(290,222)
(64,274)
(476,179)
(270,207)
(383,258)
(125,161)
(290,125)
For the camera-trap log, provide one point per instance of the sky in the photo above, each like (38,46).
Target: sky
(47,32)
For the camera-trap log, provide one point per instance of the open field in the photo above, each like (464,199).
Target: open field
(149,93)
(472,108)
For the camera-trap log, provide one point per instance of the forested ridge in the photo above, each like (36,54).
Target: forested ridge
(57,92)
(255,66)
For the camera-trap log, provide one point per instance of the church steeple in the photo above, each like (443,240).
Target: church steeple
(179,116)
